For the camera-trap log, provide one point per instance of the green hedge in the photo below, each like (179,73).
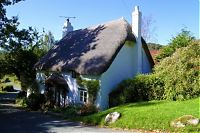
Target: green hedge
(35,101)
(140,88)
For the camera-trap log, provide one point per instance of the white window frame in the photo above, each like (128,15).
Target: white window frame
(83,98)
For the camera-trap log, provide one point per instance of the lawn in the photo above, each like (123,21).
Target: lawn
(13,81)
(150,115)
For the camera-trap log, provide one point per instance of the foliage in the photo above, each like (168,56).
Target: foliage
(8,88)
(148,29)
(151,115)
(154,46)
(183,39)
(34,87)
(13,81)
(140,88)
(21,48)
(70,111)
(174,78)
(21,94)
(76,110)
(92,87)
(35,101)
(47,40)
(11,38)
(21,102)
(47,105)
(180,73)
(88,109)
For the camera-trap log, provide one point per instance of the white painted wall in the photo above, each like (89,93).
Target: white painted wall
(146,66)
(124,66)
(40,78)
(73,94)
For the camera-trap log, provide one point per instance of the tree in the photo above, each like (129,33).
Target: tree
(154,46)
(11,38)
(183,39)
(148,32)
(47,40)
(22,48)
(180,72)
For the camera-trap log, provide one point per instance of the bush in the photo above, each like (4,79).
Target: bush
(88,109)
(140,88)
(70,111)
(35,101)
(180,73)
(21,94)
(183,39)
(21,101)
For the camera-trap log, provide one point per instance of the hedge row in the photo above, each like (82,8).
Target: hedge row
(140,88)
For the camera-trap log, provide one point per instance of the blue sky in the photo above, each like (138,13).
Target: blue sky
(169,16)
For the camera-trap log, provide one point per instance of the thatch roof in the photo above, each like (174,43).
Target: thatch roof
(87,51)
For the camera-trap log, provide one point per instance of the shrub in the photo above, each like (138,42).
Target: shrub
(88,109)
(35,101)
(176,77)
(21,101)
(21,94)
(183,39)
(70,111)
(140,88)
(180,73)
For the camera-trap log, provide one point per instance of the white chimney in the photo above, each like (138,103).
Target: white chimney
(67,28)
(136,29)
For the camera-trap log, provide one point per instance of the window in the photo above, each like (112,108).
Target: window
(83,95)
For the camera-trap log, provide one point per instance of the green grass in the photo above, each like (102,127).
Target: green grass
(22,102)
(150,115)
(14,81)
(2,92)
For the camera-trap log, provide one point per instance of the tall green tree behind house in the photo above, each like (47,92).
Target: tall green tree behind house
(47,40)
(154,46)
(181,40)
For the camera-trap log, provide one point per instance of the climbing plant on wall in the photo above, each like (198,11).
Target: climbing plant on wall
(91,85)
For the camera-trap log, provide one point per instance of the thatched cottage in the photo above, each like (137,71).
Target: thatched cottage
(109,52)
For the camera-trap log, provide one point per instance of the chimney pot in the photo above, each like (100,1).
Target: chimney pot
(136,8)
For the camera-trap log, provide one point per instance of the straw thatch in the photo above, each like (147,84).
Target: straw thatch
(87,51)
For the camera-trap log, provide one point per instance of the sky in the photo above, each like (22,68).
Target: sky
(168,16)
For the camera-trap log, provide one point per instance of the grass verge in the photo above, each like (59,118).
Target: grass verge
(152,115)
